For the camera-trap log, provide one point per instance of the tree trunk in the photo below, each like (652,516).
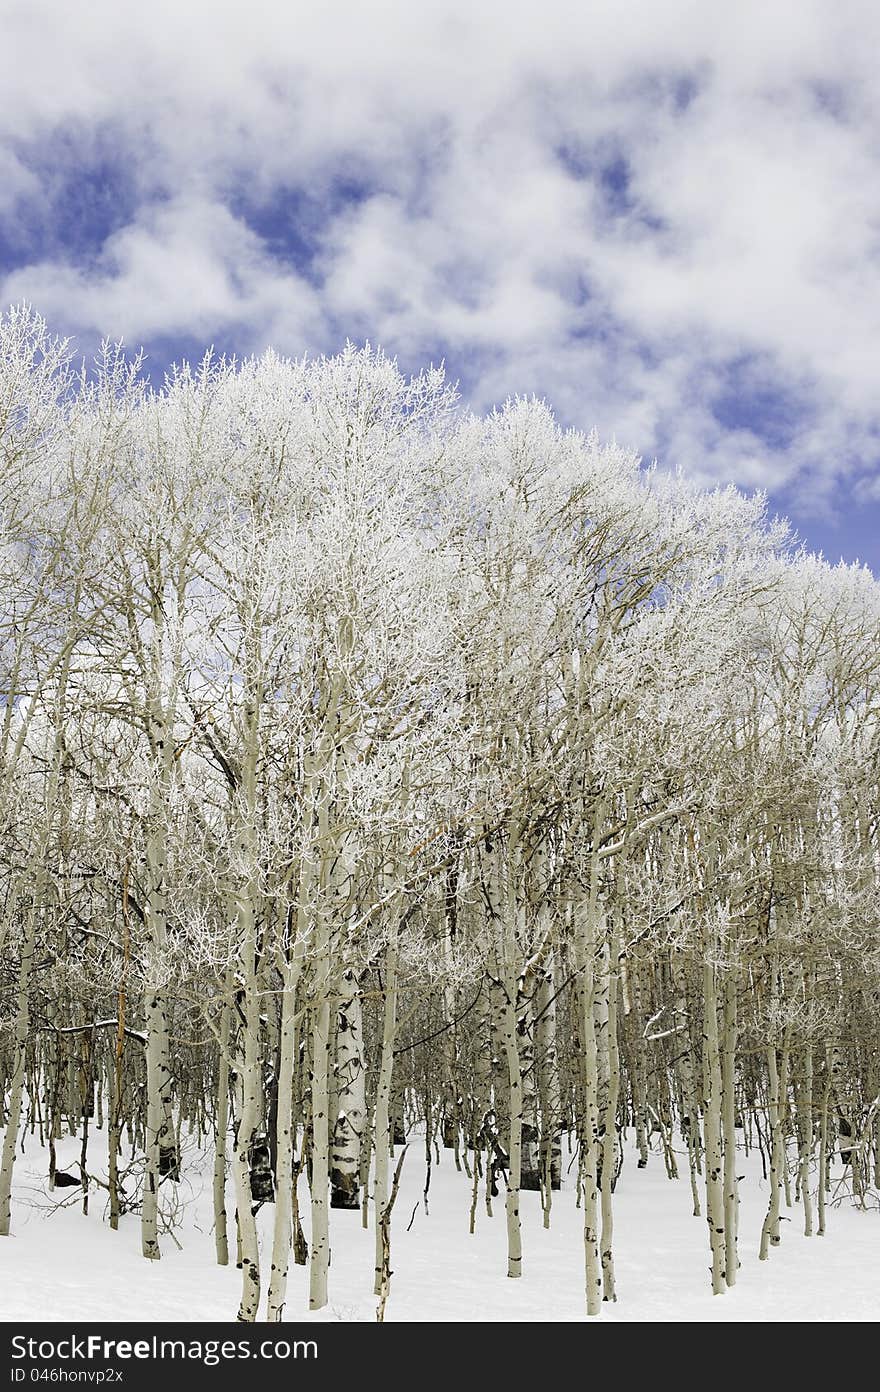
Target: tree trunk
(284,1176)
(382,1124)
(19,1064)
(221,1239)
(712,1123)
(350,1073)
(609,960)
(728,1108)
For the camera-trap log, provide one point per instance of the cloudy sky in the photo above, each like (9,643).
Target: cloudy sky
(663,215)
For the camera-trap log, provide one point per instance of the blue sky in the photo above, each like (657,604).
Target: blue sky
(664,216)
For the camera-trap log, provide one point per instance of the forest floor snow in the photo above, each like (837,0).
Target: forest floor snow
(61,1266)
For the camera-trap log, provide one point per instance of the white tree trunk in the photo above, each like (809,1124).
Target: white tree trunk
(16,1081)
(546,1049)
(320,1090)
(281,1237)
(221,1241)
(351,1095)
(608,960)
(712,1126)
(382,1124)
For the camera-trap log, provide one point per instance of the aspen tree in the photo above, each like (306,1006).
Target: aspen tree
(728,1107)
(290,955)
(611,956)
(382,1124)
(351,1101)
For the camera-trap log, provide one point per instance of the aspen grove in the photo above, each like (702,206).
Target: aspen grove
(374,775)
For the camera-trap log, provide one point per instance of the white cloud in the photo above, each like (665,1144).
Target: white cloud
(740,222)
(187,267)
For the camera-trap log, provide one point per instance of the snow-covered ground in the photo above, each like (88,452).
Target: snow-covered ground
(59,1265)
